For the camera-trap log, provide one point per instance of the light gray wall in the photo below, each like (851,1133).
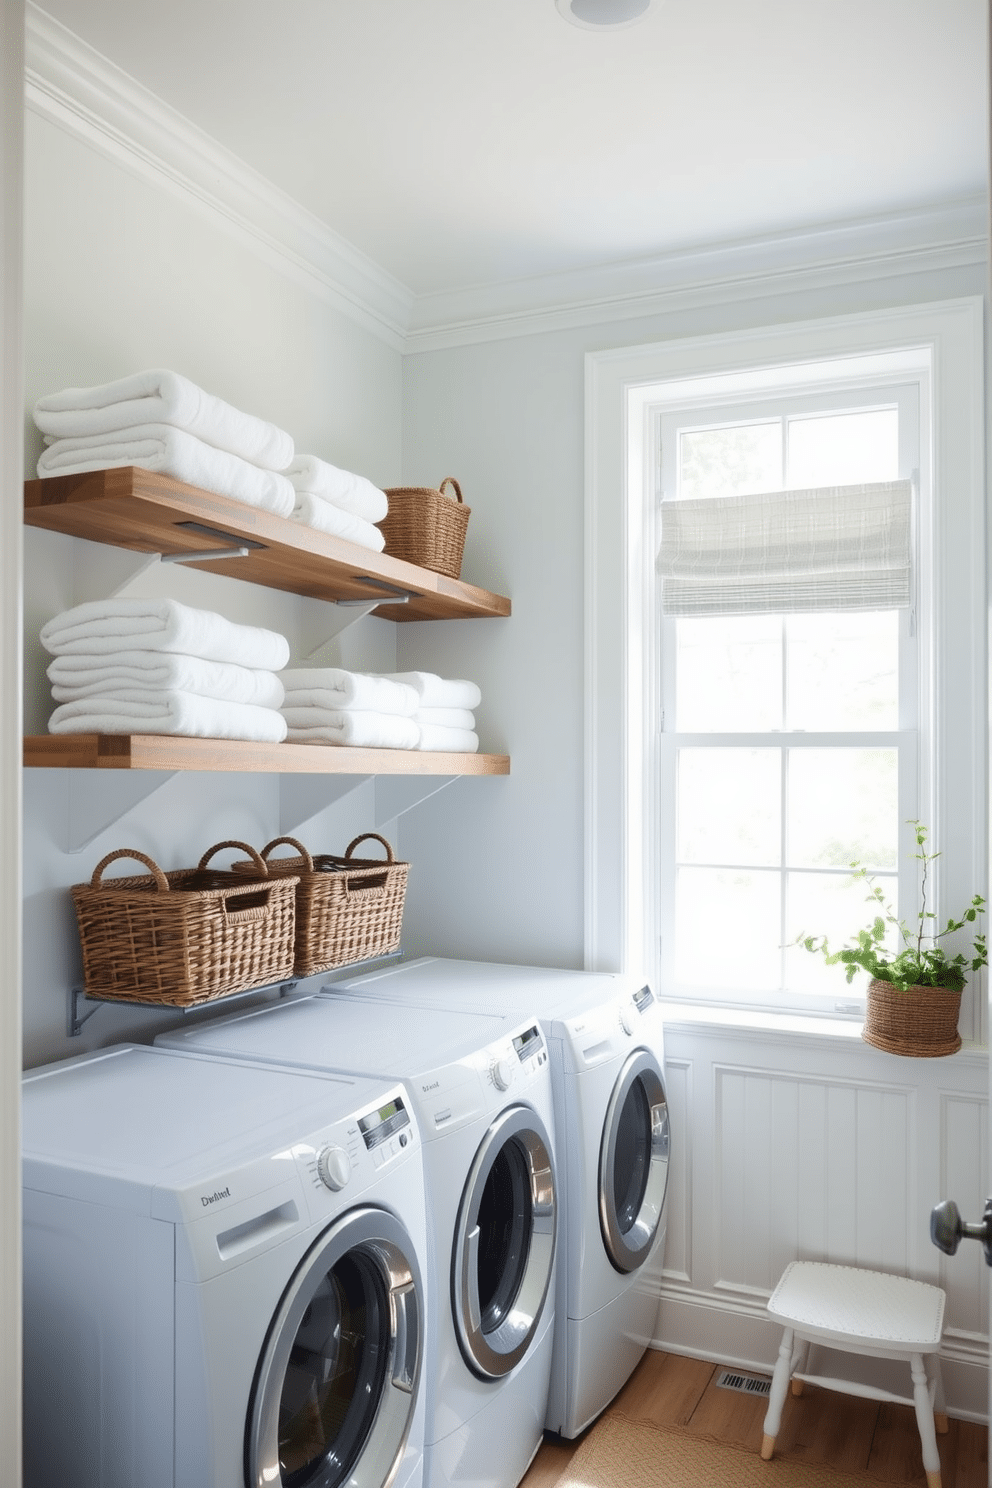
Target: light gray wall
(122,275)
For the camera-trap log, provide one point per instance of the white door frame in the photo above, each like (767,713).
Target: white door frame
(11,505)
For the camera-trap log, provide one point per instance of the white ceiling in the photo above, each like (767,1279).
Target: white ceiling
(472,142)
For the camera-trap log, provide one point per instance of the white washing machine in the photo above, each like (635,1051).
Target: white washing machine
(481,1088)
(606,1039)
(224,1276)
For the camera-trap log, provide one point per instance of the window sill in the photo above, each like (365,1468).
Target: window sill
(702,1018)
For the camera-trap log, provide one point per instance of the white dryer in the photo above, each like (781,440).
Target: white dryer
(606,1039)
(481,1088)
(224,1273)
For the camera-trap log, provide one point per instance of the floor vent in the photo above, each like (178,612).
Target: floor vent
(748,1384)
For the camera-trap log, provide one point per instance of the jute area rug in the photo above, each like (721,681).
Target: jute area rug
(620,1453)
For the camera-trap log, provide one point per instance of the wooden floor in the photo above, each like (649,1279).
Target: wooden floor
(855,1436)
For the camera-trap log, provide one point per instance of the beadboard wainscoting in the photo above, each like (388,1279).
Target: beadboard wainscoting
(818,1147)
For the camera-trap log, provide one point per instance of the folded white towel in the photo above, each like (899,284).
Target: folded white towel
(173,452)
(352,493)
(323,516)
(448,740)
(170,713)
(102,627)
(439,692)
(458,718)
(125,672)
(162,397)
(334,687)
(355,729)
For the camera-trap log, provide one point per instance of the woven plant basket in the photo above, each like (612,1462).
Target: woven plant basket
(921,1022)
(427,527)
(348,909)
(184,937)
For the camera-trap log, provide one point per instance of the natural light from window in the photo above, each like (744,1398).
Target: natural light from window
(783,731)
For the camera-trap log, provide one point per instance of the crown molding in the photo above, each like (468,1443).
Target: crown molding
(73,86)
(929,239)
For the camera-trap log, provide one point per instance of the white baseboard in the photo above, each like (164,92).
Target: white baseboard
(702,1326)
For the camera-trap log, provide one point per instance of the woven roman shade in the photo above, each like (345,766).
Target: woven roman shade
(830,548)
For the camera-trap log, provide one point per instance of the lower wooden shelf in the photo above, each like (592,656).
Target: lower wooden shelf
(166,752)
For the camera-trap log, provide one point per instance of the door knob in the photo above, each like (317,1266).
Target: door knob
(948,1229)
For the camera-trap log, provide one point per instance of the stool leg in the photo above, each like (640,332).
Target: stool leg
(939,1407)
(776,1398)
(924,1419)
(799,1361)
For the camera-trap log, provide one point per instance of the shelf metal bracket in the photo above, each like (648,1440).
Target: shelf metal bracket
(79,995)
(353,610)
(302,797)
(208,555)
(99,798)
(234,547)
(395,795)
(390,594)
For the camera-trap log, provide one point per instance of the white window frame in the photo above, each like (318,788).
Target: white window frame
(944,341)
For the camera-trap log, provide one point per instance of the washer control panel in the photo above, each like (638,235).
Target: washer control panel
(387,1131)
(352,1151)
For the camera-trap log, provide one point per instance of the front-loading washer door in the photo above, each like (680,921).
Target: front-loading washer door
(504,1247)
(633,1162)
(336,1383)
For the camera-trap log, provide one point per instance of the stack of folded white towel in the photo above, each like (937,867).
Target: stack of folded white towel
(328,705)
(140,666)
(444,713)
(337,502)
(400,710)
(161,421)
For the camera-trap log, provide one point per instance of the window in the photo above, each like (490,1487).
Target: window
(787,737)
(842,723)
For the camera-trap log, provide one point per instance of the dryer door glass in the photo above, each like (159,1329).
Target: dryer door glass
(336,1382)
(633,1162)
(504,1244)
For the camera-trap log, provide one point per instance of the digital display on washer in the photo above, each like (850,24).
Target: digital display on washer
(379,1126)
(527,1043)
(643,999)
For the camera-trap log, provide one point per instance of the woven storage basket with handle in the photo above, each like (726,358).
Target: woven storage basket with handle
(188,936)
(347,909)
(426,526)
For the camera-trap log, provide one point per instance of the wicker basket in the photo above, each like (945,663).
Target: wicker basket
(184,937)
(347,909)
(427,527)
(921,1022)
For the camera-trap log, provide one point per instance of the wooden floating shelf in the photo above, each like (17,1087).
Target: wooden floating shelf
(166,752)
(150,513)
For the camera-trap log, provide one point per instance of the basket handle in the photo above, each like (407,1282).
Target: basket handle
(243,916)
(256,857)
(365,837)
(449,480)
(290,842)
(161,882)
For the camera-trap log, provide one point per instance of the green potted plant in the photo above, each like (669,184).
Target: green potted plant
(914,996)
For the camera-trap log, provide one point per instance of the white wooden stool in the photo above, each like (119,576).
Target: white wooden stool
(841,1325)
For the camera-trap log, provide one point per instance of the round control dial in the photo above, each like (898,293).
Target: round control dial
(502,1072)
(333,1168)
(626,1020)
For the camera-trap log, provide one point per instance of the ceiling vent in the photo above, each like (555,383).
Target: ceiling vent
(603,15)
